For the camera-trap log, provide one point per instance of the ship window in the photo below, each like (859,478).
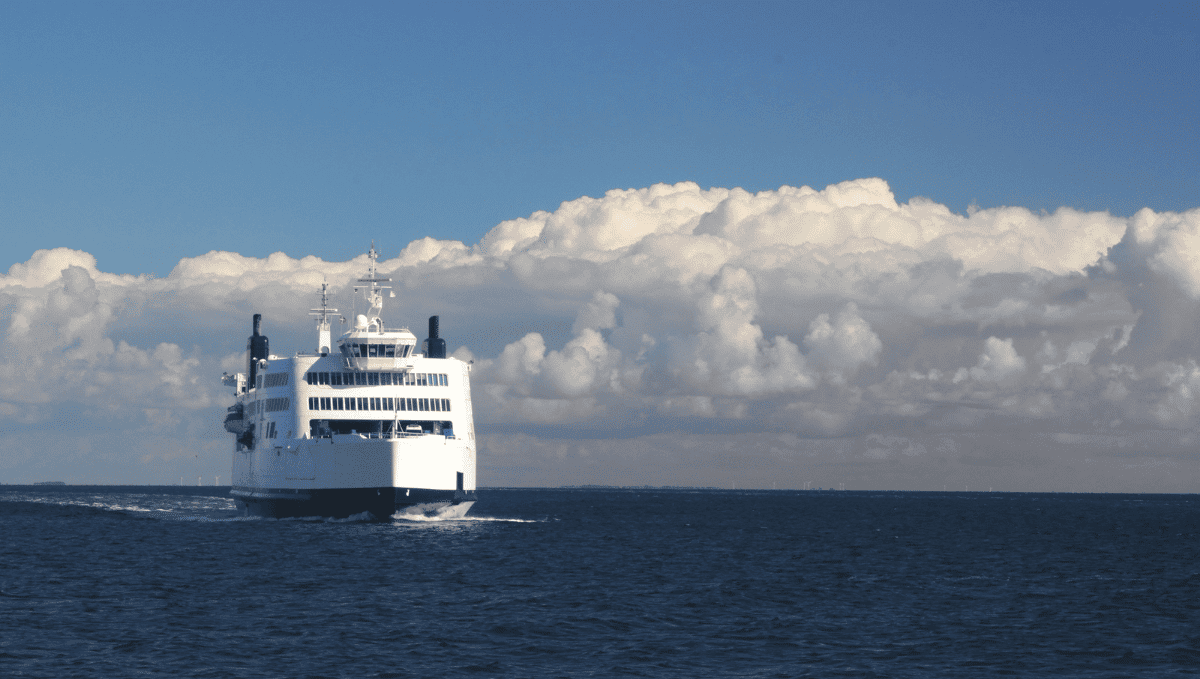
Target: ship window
(322,378)
(275,380)
(335,379)
(308,377)
(350,404)
(445,405)
(376,403)
(362,403)
(372,350)
(410,378)
(387,404)
(360,379)
(362,351)
(391,350)
(385,379)
(436,404)
(271,405)
(337,403)
(312,402)
(423,404)
(373,379)
(325,403)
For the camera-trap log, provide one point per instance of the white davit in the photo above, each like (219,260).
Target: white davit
(374,425)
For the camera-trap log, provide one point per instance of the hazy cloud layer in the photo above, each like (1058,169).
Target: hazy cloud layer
(677,335)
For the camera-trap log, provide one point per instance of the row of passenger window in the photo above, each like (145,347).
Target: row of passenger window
(376,350)
(393,428)
(440,405)
(373,379)
(273,380)
(269,405)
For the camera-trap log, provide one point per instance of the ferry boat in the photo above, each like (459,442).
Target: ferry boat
(370,428)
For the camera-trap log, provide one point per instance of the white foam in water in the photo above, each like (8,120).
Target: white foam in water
(421,518)
(361,517)
(121,502)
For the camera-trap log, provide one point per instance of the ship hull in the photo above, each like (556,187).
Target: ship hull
(378,504)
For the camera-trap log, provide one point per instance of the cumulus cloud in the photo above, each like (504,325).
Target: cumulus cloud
(839,322)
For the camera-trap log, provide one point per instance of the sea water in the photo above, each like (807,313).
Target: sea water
(169,582)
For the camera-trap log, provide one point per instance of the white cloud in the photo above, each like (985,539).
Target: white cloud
(825,315)
(1172,241)
(841,347)
(998,361)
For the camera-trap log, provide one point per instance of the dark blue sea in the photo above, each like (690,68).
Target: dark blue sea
(168,582)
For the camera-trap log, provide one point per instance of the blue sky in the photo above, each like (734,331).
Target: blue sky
(969,294)
(146,132)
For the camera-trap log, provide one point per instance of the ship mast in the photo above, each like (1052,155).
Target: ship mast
(324,340)
(375,292)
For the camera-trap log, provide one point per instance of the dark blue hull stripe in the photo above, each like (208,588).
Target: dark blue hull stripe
(340,503)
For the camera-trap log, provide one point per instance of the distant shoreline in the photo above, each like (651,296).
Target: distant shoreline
(223,491)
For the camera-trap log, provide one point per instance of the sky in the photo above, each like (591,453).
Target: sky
(938,245)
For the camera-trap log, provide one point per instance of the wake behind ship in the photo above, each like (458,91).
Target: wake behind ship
(374,426)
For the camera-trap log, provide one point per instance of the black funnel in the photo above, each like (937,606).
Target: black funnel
(435,346)
(257,348)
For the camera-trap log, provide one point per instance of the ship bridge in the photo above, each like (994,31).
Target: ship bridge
(363,349)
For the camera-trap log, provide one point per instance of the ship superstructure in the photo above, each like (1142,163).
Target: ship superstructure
(373,423)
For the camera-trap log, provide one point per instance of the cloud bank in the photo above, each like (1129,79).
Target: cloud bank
(676,335)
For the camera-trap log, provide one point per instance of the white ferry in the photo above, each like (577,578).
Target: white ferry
(374,426)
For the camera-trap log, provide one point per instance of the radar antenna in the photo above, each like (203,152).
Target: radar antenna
(324,341)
